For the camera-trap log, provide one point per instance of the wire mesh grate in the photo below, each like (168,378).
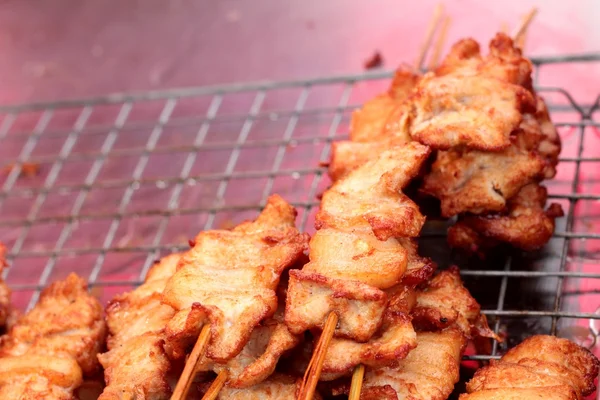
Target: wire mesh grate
(127,178)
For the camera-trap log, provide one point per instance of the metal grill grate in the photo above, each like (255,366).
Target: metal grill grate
(126,178)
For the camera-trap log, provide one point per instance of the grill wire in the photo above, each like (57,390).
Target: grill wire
(127,178)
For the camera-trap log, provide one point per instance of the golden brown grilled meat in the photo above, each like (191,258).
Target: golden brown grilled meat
(390,344)
(429,372)
(370,123)
(481,182)
(418,269)
(396,337)
(481,178)
(346,155)
(369,199)
(228,280)
(47,350)
(504,62)
(136,363)
(476,112)
(525,225)
(39,377)
(5,308)
(66,322)
(377,126)
(355,253)
(541,137)
(446,316)
(259,357)
(474,101)
(540,367)
(492,134)
(500,185)
(445,302)
(276,387)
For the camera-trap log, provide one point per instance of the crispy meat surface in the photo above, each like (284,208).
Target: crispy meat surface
(404,81)
(540,367)
(445,302)
(504,62)
(370,197)
(39,377)
(47,351)
(312,296)
(418,269)
(228,279)
(480,182)
(259,357)
(5,308)
(380,124)
(347,156)
(355,252)
(277,387)
(396,337)
(525,225)
(445,316)
(473,111)
(370,123)
(429,372)
(392,343)
(346,255)
(474,101)
(67,322)
(136,363)
(542,137)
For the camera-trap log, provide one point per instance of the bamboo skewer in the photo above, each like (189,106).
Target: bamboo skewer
(313,371)
(189,371)
(216,386)
(521,34)
(437,14)
(439,44)
(356,383)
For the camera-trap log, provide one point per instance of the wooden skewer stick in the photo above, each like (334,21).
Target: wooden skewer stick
(216,386)
(437,14)
(521,32)
(356,383)
(189,371)
(313,371)
(439,44)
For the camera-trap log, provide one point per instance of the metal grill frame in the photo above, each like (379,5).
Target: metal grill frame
(133,179)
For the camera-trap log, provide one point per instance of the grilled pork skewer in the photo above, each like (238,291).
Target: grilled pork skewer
(396,336)
(492,135)
(256,362)
(355,256)
(227,281)
(540,367)
(47,352)
(136,364)
(445,316)
(359,220)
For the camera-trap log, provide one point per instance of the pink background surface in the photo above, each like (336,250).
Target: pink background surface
(64,49)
